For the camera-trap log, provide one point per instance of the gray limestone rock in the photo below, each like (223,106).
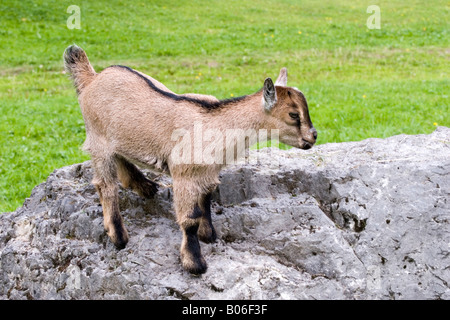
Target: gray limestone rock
(357,220)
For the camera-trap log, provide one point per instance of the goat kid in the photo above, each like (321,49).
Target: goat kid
(130,118)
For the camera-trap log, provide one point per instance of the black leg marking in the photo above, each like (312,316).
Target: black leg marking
(192,242)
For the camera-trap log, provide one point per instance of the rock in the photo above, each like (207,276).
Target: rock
(357,220)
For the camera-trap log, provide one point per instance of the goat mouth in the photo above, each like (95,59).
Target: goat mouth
(306,145)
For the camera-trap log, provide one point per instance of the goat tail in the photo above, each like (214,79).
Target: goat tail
(76,63)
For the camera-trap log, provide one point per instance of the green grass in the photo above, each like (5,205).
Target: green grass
(359,83)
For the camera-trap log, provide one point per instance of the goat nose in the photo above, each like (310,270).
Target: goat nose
(314,132)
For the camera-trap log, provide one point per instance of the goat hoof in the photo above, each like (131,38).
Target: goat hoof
(120,244)
(119,238)
(194,266)
(197,268)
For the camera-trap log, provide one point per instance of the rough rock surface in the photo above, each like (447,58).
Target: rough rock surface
(358,220)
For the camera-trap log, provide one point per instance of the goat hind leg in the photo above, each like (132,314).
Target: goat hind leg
(131,176)
(105,181)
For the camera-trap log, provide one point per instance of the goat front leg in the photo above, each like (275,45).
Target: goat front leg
(206,231)
(189,218)
(190,253)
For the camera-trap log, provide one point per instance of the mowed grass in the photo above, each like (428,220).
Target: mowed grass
(359,83)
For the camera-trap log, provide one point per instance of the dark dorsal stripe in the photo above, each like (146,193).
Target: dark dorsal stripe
(208,105)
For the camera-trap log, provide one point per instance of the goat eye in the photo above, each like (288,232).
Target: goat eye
(293,115)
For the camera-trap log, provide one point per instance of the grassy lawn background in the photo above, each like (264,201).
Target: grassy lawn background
(359,82)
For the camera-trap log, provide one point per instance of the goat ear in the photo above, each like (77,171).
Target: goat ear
(282,78)
(270,95)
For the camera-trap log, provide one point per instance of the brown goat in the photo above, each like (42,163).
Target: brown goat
(131,119)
